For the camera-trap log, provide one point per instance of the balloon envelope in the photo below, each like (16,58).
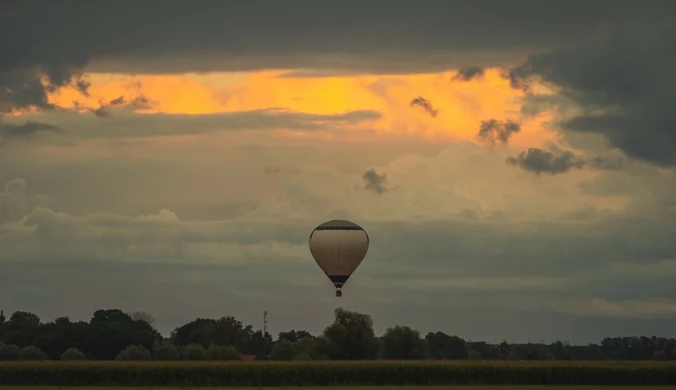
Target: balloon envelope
(339,247)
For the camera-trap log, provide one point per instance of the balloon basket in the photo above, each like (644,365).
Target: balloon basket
(339,293)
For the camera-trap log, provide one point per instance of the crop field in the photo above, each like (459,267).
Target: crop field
(358,388)
(337,374)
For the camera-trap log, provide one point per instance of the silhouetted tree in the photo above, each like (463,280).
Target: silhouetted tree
(143,316)
(293,335)
(111,332)
(443,346)
(403,343)
(22,329)
(350,337)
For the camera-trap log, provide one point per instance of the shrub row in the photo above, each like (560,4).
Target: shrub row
(161,351)
(333,373)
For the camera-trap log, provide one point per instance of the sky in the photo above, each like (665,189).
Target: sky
(513,162)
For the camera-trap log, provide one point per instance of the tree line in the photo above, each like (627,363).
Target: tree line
(115,335)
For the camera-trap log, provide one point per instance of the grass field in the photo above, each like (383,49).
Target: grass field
(339,375)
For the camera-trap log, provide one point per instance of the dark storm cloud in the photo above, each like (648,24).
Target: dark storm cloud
(557,161)
(624,83)
(375,182)
(425,105)
(498,132)
(156,36)
(469,73)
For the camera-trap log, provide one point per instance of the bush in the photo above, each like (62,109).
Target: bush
(164,350)
(192,352)
(301,356)
(9,352)
(307,346)
(222,352)
(134,352)
(73,354)
(30,352)
(283,350)
(473,354)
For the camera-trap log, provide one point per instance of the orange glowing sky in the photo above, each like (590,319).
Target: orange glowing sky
(462,105)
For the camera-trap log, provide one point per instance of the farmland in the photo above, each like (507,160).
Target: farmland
(374,373)
(363,388)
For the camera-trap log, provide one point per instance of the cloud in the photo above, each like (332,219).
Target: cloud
(469,73)
(425,105)
(83,87)
(11,131)
(103,111)
(22,88)
(622,84)
(507,243)
(375,182)
(561,265)
(14,201)
(162,39)
(599,307)
(558,161)
(540,161)
(216,216)
(498,132)
(129,124)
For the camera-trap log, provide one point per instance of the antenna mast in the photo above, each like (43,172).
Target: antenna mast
(265,322)
(2,323)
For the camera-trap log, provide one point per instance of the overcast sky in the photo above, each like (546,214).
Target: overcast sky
(512,161)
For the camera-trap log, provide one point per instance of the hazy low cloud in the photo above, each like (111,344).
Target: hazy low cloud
(560,267)
(498,132)
(27,130)
(128,124)
(14,201)
(426,105)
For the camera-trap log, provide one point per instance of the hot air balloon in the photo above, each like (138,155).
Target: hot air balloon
(339,247)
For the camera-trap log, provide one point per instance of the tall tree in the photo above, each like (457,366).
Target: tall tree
(350,337)
(143,316)
(22,329)
(113,330)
